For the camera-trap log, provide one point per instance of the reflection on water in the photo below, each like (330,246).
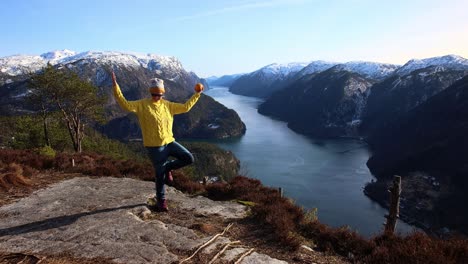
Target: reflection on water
(324,174)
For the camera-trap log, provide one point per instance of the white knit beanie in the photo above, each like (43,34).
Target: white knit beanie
(155,82)
(157,86)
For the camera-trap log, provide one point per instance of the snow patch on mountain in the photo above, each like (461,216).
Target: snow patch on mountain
(54,56)
(372,70)
(277,71)
(21,64)
(356,86)
(454,62)
(316,66)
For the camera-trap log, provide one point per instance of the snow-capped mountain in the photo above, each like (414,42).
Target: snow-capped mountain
(273,77)
(315,67)
(168,67)
(57,55)
(280,71)
(373,70)
(262,82)
(369,87)
(453,62)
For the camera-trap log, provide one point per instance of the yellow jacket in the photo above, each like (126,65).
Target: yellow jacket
(155,118)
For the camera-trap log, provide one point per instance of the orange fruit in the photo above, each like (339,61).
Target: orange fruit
(199,87)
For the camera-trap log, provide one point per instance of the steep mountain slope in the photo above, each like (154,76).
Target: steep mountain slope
(325,104)
(430,138)
(396,95)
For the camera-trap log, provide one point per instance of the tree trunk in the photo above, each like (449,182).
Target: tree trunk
(394,212)
(46,130)
(79,138)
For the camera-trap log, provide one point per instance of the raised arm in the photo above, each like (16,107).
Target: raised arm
(177,108)
(126,105)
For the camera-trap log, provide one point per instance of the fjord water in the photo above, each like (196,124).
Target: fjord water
(325,174)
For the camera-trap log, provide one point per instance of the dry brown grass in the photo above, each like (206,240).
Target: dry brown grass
(417,248)
(86,163)
(12,175)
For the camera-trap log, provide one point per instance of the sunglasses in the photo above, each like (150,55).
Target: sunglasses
(156,95)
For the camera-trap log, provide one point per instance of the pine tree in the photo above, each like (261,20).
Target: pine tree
(76,99)
(41,87)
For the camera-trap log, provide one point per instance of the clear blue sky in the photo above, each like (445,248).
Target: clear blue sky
(216,37)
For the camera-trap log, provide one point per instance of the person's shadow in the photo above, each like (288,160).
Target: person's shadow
(56,222)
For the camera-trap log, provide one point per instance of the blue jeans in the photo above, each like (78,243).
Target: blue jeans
(159,157)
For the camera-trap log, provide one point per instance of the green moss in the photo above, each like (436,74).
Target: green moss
(246,203)
(47,151)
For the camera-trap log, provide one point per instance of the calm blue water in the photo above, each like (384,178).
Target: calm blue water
(324,174)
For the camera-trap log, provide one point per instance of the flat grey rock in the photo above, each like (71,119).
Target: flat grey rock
(256,258)
(99,218)
(105,217)
(233,253)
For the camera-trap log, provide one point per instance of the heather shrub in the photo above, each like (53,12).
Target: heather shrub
(270,209)
(86,163)
(105,170)
(417,248)
(62,161)
(219,191)
(142,171)
(183,183)
(339,240)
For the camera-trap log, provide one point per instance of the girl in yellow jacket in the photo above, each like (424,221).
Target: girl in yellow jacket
(156,116)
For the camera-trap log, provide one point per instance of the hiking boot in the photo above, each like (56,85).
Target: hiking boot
(169,178)
(157,205)
(161,205)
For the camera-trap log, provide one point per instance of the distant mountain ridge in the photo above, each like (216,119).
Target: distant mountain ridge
(374,70)
(225,80)
(274,77)
(387,93)
(395,96)
(263,82)
(268,79)
(21,64)
(449,61)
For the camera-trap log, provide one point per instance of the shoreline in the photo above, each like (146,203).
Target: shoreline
(410,213)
